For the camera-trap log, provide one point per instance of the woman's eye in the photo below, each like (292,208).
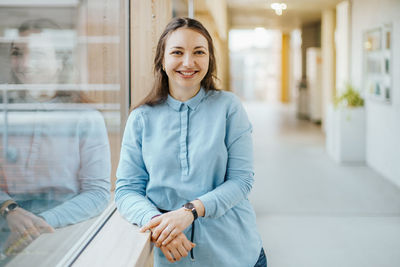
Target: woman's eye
(200,52)
(176,53)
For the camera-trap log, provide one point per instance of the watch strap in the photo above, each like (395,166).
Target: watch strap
(189,206)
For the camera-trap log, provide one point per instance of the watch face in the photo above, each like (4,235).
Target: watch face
(12,206)
(189,206)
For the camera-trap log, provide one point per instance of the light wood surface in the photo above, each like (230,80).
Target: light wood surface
(61,247)
(119,243)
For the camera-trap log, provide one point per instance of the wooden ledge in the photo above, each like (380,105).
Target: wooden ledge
(119,243)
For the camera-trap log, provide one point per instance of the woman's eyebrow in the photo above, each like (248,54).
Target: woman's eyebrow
(180,47)
(176,47)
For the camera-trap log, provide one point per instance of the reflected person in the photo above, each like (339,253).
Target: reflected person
(55,160)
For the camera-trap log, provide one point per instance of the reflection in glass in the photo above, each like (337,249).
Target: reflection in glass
(54,152)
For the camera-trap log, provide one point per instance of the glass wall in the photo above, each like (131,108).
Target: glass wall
(63,96)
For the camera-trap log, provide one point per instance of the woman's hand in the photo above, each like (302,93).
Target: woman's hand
(167,226)
(23,222)
(25,227)
(177,248)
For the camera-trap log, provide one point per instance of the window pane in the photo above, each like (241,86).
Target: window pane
(63,97)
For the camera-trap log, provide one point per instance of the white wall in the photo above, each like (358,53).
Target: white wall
(295,63)
(342,38)
(383,120)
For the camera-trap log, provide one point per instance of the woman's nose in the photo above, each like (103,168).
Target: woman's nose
(188,60)
(25,61)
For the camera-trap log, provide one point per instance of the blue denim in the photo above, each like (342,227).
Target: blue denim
(262,260)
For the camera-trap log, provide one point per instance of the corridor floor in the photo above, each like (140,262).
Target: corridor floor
(311,211)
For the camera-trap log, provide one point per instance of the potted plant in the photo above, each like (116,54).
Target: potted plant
(350,98)
(345,140)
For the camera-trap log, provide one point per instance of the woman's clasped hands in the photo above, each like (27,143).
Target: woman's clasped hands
(167,233)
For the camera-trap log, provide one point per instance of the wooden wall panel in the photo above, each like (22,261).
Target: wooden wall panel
(148,20)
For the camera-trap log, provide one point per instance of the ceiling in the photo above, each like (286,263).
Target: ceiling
(258,13)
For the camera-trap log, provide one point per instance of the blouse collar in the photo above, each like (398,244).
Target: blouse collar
(192,103)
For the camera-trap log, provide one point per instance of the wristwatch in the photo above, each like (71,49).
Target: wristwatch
(9,207)
(190,207)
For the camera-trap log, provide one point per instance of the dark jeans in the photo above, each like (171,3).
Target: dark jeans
(262,260)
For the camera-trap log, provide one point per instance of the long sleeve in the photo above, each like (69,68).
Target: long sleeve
(239,173)
(93,176)
(132,176)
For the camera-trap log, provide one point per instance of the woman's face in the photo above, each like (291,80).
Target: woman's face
(34,61)
(186,59)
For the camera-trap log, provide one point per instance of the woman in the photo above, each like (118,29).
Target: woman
(186,160)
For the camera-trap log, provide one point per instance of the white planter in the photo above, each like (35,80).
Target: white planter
(345,135)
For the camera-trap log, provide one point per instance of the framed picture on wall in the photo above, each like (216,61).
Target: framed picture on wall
(377,65)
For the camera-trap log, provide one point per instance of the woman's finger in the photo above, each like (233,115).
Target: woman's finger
(183,251)
(167,254)
(175,253)
(33,232)
(188,245)
(165,234)
(26,238)
(43,226)
(153,223)
(174,233)
(158,230)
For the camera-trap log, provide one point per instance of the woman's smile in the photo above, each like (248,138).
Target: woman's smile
(187,74)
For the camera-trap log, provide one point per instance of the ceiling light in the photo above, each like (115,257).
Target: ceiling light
(278,7)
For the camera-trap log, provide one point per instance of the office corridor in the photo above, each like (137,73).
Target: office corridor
(311,211)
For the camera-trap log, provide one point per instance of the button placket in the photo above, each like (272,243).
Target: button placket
(183,140)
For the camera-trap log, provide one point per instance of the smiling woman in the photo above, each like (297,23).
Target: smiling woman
(186,160)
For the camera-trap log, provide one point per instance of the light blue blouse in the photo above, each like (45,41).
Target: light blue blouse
(177,152)
(61,169)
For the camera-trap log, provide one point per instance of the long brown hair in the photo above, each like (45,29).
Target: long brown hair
(160,90)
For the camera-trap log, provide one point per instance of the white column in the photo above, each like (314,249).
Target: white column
(328,61)
(190,9)
(342,38)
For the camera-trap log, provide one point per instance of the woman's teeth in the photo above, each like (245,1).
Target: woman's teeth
(185,73)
